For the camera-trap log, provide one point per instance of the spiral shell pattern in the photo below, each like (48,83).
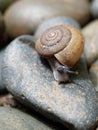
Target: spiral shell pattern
(53,40)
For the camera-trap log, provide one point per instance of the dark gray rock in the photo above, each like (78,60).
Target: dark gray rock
(13,119)
(31,81)
(56,21)
(2,87)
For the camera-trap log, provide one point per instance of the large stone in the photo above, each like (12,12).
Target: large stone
(30,79)
(90,33)
(13,119)
(24,16)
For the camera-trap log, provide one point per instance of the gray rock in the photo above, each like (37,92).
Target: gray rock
(2,87)
(56,21)
(13,119)
(29,78)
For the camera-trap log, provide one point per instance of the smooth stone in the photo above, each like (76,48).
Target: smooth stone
(55,21)
(24,16)
(94,8)
(2,87)
(90,33)
(93,71)
(13,119)
(30,79)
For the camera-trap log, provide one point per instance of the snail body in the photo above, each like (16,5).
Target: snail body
(63,43)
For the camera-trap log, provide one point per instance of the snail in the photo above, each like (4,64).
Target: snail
(62,45)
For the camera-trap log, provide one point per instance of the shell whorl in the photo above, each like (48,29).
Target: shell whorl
(53,40)
(65,43)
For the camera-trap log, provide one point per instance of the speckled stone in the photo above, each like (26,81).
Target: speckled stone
(29,78)
(2,87)
(94,8)
(90,33)
(13,119)
(94,74)
(56,21)
(24,16)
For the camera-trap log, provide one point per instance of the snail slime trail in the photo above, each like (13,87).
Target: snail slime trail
(62,46)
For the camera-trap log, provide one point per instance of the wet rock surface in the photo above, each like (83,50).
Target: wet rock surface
(13,119)
(55,21)
(90,33)
(29,78)
(24,16)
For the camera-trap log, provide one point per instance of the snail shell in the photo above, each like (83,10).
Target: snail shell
(66,43)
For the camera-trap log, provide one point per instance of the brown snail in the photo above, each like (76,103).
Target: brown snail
(62,45)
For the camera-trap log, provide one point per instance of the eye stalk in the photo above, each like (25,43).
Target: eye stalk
(66,70)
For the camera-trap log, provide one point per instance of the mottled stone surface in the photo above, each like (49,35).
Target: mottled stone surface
(55,21)
(94,8)
(31,81)
(24,16)
(94,74)
(90,33)
(13,119)
(2,87)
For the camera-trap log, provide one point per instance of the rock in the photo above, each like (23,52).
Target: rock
(55,21)
(90,33)
(24,16)
(13,119)
(4,4)
(94,8)
(94,74)
(2,87)
(30,79)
